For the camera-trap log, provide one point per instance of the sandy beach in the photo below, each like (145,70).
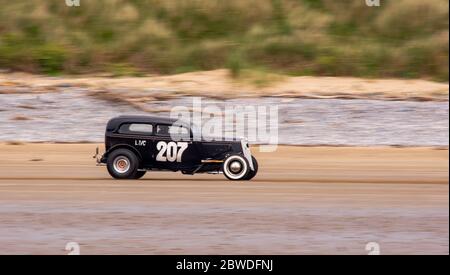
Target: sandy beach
(219,85)
(305,200)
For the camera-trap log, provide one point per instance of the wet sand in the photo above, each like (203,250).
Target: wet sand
(305,200)
(303,122)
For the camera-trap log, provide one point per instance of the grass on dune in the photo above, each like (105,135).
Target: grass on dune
(402,38)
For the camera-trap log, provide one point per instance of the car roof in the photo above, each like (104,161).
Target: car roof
(116,121)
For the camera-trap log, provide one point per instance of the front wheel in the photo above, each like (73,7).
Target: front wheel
(253,173)
(235,167)
(123,164)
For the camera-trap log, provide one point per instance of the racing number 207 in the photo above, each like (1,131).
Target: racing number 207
(170,151)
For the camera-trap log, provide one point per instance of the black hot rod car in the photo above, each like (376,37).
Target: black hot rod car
(137,144)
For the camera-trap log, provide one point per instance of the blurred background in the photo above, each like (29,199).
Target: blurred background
(401,38)
(61,63)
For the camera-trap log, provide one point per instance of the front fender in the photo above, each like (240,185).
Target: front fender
(247,153)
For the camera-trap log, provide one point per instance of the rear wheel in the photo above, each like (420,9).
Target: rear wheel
(235,167)
(139,174)
(123,164)
(253,173)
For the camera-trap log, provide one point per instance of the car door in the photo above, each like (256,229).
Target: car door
(174,151)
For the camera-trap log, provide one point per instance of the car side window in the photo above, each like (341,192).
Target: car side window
(136,128)
(172,130)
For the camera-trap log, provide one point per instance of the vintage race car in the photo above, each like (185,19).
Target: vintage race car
(137,144)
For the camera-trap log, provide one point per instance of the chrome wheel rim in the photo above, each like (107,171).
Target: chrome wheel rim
(121,164)
(235,167)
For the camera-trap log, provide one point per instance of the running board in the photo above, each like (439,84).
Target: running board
(212,161)
(214,172)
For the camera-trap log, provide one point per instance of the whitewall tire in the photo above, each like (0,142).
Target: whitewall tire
(235,167)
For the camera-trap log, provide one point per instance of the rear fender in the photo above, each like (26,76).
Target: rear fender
(120,146)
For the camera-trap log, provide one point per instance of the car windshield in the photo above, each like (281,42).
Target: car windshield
(195,129)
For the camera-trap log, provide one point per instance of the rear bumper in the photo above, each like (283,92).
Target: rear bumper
(99,160)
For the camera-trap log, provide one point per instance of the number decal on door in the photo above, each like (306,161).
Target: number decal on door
(171,151)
